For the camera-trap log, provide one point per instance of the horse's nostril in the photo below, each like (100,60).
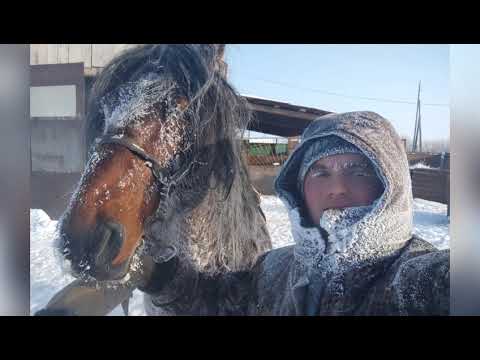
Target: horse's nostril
(109,239)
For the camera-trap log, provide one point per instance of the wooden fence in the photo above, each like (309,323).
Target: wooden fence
(432,185)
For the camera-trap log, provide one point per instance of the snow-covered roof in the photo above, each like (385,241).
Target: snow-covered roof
(262,98)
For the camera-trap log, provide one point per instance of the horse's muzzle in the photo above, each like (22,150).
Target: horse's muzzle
(107,242)
(93,252)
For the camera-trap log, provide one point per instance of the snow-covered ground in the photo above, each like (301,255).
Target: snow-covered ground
(431,223)
(46,277)
(420,165)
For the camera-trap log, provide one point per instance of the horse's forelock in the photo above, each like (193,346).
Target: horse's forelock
(194,70)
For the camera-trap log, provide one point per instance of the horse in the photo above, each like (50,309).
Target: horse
(163,126)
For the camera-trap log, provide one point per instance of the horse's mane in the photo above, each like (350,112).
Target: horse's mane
(216,113)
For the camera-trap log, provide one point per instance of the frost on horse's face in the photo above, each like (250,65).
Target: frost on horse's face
(104,223)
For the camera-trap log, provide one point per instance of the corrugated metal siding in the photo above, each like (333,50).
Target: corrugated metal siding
(92,55)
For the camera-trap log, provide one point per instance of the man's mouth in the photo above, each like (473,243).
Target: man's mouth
(338,207)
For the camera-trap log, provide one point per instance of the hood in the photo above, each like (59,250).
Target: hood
(378,230)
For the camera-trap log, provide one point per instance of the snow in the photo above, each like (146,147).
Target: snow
(130,102)
(255,136)
(420,165)
(431,223)
(264,98)
(47,277)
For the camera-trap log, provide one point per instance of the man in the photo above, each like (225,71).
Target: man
(348,191)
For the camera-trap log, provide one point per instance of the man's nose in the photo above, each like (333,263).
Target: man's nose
(337,187)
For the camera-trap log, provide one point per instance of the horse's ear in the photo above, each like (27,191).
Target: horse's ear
(214,54)
(220,51)
(220,59)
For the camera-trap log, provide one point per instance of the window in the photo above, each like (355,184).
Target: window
(53,101)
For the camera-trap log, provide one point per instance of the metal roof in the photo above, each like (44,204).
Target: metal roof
(280,118)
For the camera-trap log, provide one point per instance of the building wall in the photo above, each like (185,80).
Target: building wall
(57,139)
(92,55)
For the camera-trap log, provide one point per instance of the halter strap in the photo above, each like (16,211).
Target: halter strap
(161,174)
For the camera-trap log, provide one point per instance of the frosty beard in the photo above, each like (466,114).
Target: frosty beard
(340,224)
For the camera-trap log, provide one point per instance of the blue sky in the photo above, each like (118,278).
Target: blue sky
(301,74)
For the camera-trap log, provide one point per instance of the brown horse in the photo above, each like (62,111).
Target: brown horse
(163,124)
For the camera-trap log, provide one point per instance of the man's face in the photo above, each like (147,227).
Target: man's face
(340,181)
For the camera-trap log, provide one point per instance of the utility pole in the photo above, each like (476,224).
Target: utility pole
(417,135)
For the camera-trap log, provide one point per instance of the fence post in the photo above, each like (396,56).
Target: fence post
(292,144)
(447,191)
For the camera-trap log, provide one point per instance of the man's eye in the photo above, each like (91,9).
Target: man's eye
(362,173)
(319,173)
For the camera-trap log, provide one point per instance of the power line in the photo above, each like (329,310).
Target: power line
(344,95)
